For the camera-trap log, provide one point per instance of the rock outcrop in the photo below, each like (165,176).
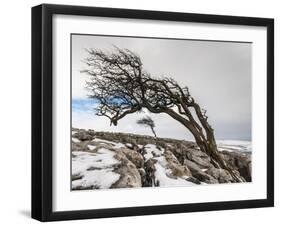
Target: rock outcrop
(132,160)
(240,162)
(129,174)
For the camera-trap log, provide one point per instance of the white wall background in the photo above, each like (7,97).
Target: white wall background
(15,119)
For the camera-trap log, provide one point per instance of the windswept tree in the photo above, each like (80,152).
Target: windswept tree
(147,122)
(120,84)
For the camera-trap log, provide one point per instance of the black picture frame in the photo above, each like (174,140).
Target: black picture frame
(42,111)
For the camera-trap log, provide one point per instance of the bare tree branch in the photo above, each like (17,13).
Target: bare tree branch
(121,86)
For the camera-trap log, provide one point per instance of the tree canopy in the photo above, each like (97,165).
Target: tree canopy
(148,122)
(122,86)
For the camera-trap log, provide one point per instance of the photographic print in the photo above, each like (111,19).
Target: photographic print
(138,112)
(158,112)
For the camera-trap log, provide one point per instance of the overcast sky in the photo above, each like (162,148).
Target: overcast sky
(218,75)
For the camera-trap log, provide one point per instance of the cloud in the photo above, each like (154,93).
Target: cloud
(218,75)
(165,126)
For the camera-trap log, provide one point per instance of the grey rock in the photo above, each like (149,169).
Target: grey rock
(143,176)
(199,157)
(178,170)
(221,175)
(198,173)
(81,146)
(184,159)
(129,174)
(149,167)
(240,162)
(193,180)
(134,156)
(83,135)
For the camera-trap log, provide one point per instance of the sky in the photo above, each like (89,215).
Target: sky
(218,75)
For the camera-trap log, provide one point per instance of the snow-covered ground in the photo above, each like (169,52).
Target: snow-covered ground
(113,144)
(163,173)
(94,169)
(234,145)
(151,151)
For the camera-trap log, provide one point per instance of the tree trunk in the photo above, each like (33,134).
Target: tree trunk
(209,146)
(153,131)
(206,143)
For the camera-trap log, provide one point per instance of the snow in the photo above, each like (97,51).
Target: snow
(91,147)
(75,140)
(118,145)
(162,172)
(103,141)
(97,169)
(84,160)
(151,151)
(113,144)
(103,178)
(234,145)
(101,175)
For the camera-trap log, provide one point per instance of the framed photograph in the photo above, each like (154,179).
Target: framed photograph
(146,112)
